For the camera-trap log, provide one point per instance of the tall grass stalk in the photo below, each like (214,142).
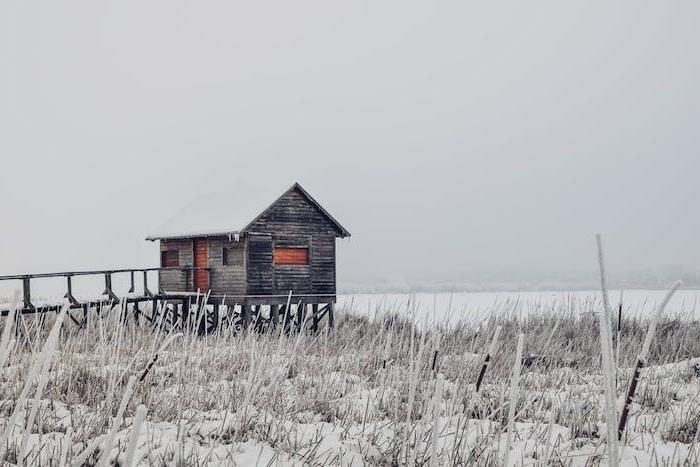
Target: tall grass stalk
(513,398)
(487,358)
(618,331)
(548,444)
(130,455)
(226,398)
(609,371)
(414,370)
(43,381)
(65,447)
(106,447)
(37,365)
(6,343)
(437,411)
(642,358)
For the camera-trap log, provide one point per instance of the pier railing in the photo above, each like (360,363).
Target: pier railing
(176,305)
(146,293)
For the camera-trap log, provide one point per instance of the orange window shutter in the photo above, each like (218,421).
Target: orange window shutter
(292,256)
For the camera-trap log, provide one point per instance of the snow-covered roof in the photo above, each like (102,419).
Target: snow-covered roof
(226,214)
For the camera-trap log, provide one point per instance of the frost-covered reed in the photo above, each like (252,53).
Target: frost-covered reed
(364,392)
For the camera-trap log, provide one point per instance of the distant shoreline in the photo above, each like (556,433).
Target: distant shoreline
(506,288)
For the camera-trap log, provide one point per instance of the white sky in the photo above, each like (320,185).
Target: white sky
(451,138)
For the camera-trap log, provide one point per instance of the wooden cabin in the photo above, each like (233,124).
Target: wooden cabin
(252,250)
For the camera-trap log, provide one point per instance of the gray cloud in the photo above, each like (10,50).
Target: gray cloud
(454,140)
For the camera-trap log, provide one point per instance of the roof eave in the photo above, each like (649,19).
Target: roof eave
(181,236)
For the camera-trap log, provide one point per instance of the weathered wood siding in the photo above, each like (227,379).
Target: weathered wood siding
(177,281)
(260,270)
(323,264)
(293,221)
(226,280)
(297,277)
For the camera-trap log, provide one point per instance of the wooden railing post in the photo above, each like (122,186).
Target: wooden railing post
(69,294)
(108,287)
(27,294)
(146,292)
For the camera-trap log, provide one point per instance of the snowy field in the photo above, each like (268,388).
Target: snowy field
(377,390)
(475,306)
(441,308)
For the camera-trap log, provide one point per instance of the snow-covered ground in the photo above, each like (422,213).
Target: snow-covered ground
(474,306)
(364,394)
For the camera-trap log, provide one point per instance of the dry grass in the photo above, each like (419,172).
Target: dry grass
(361,393)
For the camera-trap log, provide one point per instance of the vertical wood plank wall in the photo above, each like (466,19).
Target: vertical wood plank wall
(226,280)
(294,221)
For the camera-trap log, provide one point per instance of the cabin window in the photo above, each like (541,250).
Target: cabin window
(233,256)
(292,256)
(170,259)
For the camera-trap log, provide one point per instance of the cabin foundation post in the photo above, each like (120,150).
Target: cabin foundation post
(331,319)
(297,315)
(304,312)
(287,320)
(176,313)
(314,312)
(274,316)
(17,325)
(185,314)
(83,321)
(224,315)
(136,312)
(216,317)
(236,310)
(245,315)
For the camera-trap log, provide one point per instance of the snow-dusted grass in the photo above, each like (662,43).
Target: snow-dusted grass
(362,393)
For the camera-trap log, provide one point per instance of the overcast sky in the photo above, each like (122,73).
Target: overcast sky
(453,139)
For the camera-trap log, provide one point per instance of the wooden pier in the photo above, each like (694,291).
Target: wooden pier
(179,310)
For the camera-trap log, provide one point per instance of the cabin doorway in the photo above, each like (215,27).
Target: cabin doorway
(201,261)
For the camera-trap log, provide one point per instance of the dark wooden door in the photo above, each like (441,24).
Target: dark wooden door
(201,261)
(260,270)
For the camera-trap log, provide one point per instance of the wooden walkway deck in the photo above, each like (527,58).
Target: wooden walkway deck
(176,309)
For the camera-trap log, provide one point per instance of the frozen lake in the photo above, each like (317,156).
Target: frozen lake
(434,307)
(474,306)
